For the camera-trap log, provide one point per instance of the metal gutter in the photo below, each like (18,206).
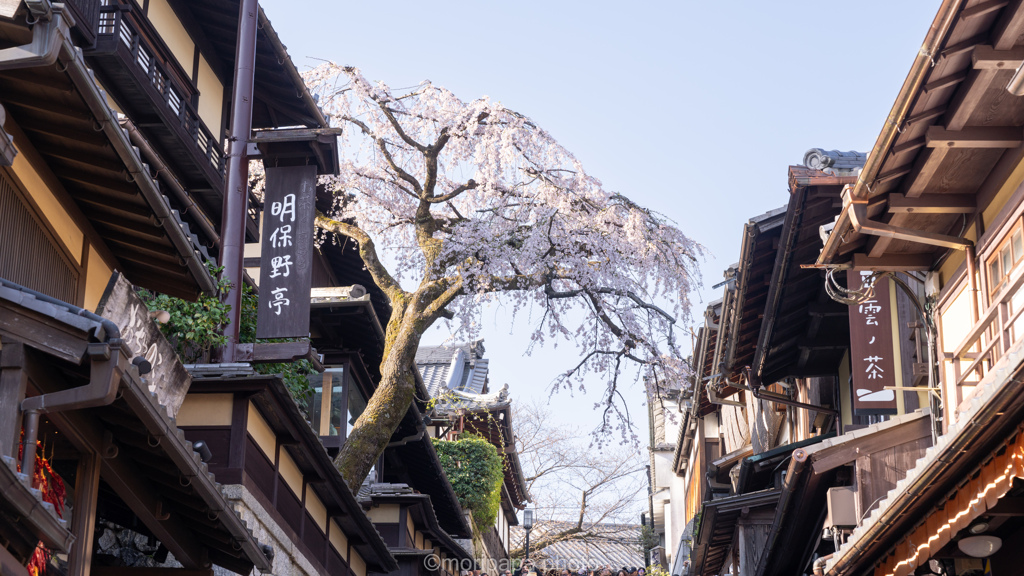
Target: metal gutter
(167,177)
(49,34)
(85,81)
(179,450)
(926,57)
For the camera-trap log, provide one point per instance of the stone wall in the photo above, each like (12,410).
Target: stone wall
(288,560)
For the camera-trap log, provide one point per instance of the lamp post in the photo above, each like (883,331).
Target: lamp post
(527,525)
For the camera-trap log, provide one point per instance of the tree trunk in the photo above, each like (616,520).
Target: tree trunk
(372,431)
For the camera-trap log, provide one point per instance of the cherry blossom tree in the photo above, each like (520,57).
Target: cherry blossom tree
(473,202)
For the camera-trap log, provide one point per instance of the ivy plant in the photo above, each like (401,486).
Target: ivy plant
(474,469)
(194,329)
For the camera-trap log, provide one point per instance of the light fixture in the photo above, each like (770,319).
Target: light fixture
(527,519)
(980,546)
(978,528)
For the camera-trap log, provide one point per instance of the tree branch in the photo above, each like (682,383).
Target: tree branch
(367,251)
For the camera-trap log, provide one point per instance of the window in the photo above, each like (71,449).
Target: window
(1005,258)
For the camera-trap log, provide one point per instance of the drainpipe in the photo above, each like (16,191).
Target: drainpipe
(236,189)
(104,378)
(167,177)
(104,382)
(972,281)
(48,36)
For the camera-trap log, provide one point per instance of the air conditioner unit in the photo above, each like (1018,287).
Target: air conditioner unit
(842,507)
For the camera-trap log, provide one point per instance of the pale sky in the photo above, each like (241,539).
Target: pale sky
(694,109)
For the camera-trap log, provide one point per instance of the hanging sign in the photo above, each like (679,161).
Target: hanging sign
(286,259)
(872,359)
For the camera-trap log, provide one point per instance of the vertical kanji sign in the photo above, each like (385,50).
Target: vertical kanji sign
(872,359)
(287,252)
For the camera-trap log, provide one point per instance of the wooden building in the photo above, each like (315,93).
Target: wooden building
(114,116)
(458,377)
(941,198)
(771,434)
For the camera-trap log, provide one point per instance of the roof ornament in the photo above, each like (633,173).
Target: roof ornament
(835,162)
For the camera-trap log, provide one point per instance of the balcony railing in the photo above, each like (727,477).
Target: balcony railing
(123,28)
(998,328)
(86,13)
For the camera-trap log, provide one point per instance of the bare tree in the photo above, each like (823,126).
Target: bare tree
(580,494)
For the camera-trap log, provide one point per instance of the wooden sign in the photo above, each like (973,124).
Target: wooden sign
(168,379)
(872,358)
(286,259)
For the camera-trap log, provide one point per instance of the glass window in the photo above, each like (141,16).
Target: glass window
(328,402)
(1005,258)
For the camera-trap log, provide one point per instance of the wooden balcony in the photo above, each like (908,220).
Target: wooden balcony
(998,328)
(87,14)
(151,87)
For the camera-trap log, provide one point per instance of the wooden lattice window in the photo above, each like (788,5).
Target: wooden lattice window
(29,254)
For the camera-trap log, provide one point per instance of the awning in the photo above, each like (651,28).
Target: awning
(718,521)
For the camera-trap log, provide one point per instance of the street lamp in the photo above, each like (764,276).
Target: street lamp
(527,525)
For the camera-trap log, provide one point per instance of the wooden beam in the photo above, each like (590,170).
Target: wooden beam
(131,486)
(1010,26)
(951,80)
(846,452)
(87,489)
(974,137)
(982,9)
(986,57)
(13,381)
(893,262)
(932,204)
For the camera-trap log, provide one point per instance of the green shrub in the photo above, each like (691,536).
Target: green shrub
(474,468)
(194,329)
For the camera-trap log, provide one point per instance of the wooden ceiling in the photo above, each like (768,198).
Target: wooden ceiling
(960,137)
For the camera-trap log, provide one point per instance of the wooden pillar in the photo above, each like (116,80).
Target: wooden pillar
(13,380)
(83,524)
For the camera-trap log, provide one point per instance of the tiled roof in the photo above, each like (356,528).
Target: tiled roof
(614,545)
(441,368)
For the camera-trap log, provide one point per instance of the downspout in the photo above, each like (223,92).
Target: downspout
(927,56)
(237,185)
(104,377)
(168,178)
(49,34)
